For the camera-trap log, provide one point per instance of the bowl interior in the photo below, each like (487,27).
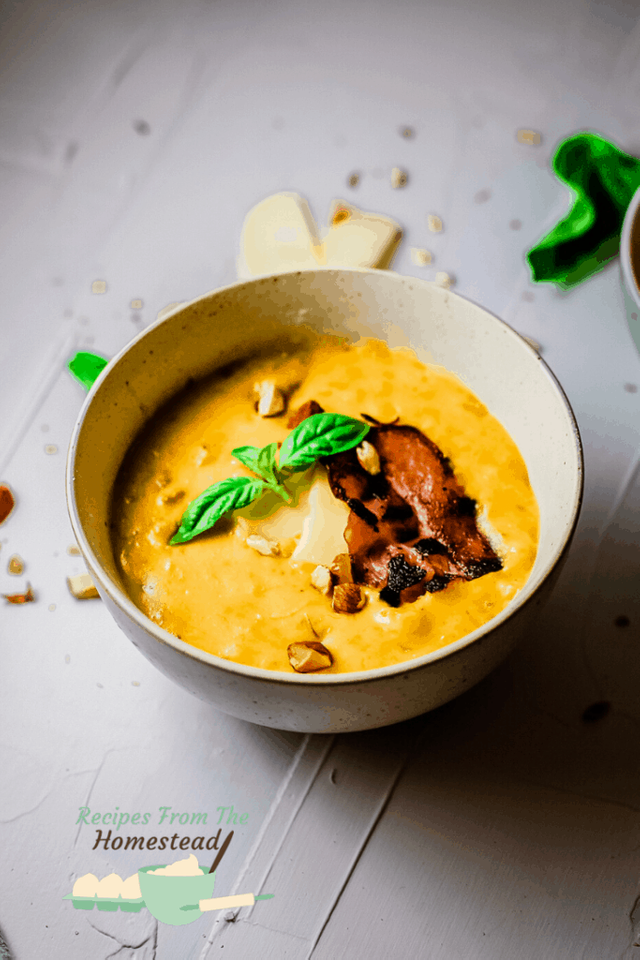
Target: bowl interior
(219,328)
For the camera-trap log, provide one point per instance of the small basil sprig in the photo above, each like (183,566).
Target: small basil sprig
(262,460)
(318,436)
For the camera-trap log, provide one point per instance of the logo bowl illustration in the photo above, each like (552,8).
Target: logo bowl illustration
(165,895)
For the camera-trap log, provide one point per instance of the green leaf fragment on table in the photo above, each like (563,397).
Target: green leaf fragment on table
(604,180)
(86,368)
(320,435)
(224,496)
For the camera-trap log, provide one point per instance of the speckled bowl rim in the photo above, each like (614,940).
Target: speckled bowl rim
(131,611)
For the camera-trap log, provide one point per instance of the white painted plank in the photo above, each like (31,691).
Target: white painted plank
(490,869)
(316,856)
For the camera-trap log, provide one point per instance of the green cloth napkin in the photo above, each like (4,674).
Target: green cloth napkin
(604,180)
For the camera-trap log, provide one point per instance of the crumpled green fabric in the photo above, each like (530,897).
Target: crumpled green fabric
(604,180)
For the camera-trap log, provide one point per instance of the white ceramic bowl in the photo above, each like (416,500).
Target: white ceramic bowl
(630,265)
(497,364)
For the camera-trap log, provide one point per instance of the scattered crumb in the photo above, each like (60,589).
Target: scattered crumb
(353,179)
(268,548)
(73,550)
(135,683)
(52,607)
(532,343)
(420,257)
(7,502)
(82,587)
(18,598)
(99,286)
(531,137)
(136,304)
(399,178)
(50,448)
(407,132)
(443,279)
(67,659)
(16,565)
(434,223)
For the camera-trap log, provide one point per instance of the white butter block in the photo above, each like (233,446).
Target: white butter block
(359,239)
(279,234)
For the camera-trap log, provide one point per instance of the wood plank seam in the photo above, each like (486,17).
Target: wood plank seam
(286,804)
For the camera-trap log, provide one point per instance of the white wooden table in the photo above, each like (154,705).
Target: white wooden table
(134,138)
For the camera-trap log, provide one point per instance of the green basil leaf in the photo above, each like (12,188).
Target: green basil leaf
(320,436)
(259,459)
(262,460)
(201,514)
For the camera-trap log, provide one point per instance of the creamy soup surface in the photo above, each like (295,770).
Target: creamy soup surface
(223,596)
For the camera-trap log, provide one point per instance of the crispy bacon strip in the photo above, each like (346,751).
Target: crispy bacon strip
(411,528)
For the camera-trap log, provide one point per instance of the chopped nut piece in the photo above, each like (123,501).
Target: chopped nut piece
(169,499)
(16,565)
(268,548)
(348,598)
(531,137)
(321,580)
(306,410)
(309,656)
(434,223)
(341,569)
(27,597)
(82,587)
(271,400)
(420,257)
(7,502)
(368,458)
(443,279)
(399,178)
